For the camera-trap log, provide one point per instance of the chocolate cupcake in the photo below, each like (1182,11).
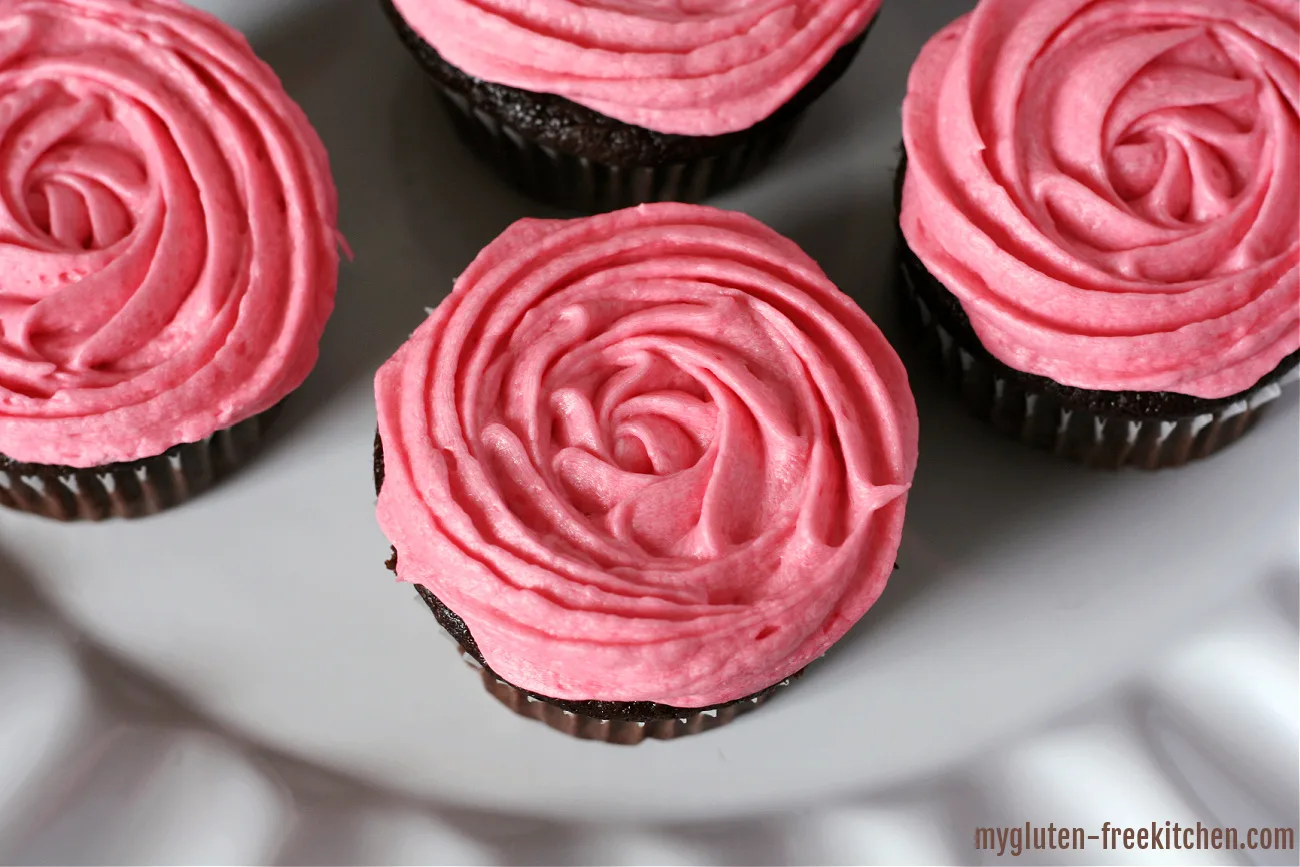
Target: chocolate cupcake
(169,255)
(1098,210)
(594,109)
(644,467)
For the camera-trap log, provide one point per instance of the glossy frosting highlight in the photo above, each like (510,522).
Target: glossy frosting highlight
(1110,187)
(168,241)
(653,455)
(703,67)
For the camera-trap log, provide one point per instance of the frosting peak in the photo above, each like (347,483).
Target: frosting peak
(701,68)
(1110,187)
(648,456)
(168,242)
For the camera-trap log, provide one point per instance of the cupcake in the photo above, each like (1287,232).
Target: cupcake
(595,108)
(168,256)
(1099,218)
(644,467)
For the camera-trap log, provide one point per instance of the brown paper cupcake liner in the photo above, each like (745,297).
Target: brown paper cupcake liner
(571,157)
(132,489)
(1041,419)
(612,731)
(580,183)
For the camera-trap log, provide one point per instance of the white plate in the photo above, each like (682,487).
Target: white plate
(242,681)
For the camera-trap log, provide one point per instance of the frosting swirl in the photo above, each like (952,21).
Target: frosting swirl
(168,242)
(653,455)
(1110,187)
(705,67)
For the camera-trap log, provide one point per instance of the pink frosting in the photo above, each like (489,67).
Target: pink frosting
(1110,187)
(168,244)
(703,67)
(653,455)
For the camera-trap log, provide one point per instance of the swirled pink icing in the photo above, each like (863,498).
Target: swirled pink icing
(168,241)
(1110,187)
(653,455)
(705,67)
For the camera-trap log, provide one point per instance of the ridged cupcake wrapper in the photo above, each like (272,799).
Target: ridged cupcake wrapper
(613,731)
(582,184)
(1040,420)
(575,723)
(137,488)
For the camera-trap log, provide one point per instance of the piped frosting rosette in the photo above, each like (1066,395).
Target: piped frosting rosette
(168,242)
(1110,187)
(653,455)
(705,67)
